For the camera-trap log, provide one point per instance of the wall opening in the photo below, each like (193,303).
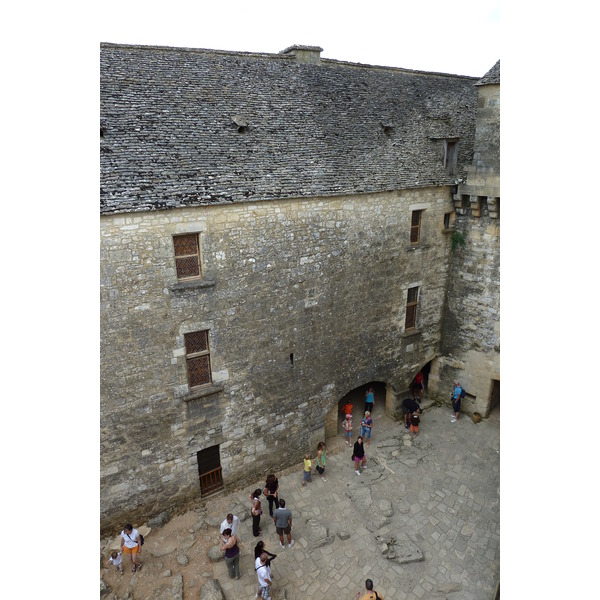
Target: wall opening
(209,469)
(413,388)
(356,398)
(495,397)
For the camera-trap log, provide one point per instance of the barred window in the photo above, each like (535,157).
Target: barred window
(197,357)
(187,255)
(415,227)
(411,308)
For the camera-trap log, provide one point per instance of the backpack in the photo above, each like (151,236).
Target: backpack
(462,392)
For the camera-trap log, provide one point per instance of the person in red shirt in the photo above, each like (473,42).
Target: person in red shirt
(418,386)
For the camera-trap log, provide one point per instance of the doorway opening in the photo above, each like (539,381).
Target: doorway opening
(356,399)
(209,469)
(494,410)
(425,370)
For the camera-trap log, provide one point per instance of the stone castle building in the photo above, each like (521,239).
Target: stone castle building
(277,231)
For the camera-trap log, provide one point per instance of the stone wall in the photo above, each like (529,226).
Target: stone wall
(471,345)
(304,301)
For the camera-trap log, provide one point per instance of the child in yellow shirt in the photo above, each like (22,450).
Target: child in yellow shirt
(307,468)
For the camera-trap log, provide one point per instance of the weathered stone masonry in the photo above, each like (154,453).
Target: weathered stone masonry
(471,348)
(324,279)
(300,176)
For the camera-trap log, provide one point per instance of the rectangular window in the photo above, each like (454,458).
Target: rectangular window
(411,308)
(415,227)
(447,220)
(197,357)
(187,255)
(450,155)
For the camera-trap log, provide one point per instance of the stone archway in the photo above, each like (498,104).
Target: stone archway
(385,398)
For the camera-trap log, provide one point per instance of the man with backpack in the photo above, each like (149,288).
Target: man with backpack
(457,395)
(371,593)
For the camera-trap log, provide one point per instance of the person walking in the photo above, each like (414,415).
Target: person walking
(131,544)
(370,594)
(347,425)
(307,470)
(369,399)
(414,424)
(259,550)
(231,522)
(116,560)
(358,455)
(456,397)
(366,426)
(409,406)
(232,553)
(321,460)
(283,524)
(270,491)
(263,573)
(256,511)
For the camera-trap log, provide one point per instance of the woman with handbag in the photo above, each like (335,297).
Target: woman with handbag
(256,511)
(131,545)
(359,455)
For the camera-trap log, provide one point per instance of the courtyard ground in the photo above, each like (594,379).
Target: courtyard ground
(422,521)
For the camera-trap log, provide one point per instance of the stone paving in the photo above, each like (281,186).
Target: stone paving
(422,521)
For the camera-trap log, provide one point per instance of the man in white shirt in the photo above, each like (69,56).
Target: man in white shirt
(232,523)
(264,578)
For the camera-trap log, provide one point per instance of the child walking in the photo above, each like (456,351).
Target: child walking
(347,425)
(307,468)
(117,561)
(414,424)
(321,459)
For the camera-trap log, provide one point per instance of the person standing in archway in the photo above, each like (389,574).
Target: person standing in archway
(365,427)
(347,425)
(369,399)
(418,386)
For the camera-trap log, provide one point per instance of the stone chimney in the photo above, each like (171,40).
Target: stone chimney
(305,54)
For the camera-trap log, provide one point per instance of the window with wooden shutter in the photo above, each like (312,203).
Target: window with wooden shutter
(197,357)
(187,255)
(411,308)
(450,155)
(415,227)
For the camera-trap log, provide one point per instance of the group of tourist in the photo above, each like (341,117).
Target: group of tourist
(366,427)
(131,540)
(282,518)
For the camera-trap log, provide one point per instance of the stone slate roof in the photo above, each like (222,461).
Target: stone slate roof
(492,76)
(182,127)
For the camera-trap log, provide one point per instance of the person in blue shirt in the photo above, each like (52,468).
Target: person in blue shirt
(369,399)
(456,396)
